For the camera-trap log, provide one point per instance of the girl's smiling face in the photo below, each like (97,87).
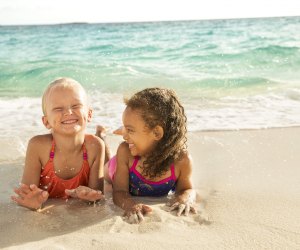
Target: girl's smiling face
(66,110)
(141,139)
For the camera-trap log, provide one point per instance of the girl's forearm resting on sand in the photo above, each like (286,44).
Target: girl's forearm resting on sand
(123,199)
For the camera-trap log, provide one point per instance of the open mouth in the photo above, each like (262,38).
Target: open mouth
(72,121)
(130,145)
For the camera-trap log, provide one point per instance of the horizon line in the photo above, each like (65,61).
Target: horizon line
(149,21)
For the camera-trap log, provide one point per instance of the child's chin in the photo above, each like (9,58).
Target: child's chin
(133,153)
(72,129)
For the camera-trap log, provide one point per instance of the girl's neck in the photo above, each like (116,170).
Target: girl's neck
(68,144)
(142,159)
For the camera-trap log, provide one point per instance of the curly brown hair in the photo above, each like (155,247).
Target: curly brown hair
(159,106)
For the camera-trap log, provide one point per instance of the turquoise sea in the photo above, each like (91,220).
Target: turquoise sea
(229,74)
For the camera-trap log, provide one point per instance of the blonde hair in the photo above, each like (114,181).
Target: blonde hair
(62,82)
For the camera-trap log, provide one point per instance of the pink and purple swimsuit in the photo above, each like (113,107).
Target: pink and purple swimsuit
(139,186)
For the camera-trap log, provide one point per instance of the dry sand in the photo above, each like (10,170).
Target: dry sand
(249,183)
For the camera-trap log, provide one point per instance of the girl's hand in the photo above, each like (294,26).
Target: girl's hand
(183,203)
(30,196)
(85,193)
(182,207)
(136,213)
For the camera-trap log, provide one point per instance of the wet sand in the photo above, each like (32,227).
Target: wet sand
(248,198)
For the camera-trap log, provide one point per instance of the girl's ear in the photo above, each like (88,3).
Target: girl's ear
(158,132)
(90,115)
(45,122)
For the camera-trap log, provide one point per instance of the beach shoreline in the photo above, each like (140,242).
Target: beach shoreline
(248,182)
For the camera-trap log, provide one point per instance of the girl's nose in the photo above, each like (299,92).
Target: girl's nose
(125,135)
(68,111)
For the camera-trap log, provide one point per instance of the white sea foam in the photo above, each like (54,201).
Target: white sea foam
(20,118)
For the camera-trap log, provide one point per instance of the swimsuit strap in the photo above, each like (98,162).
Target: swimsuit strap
(51,156)
(173,176)
(135,162)
(85,155)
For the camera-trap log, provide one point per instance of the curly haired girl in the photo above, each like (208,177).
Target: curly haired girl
(153,160)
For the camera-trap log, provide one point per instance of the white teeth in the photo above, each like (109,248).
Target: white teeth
(69,121)
(130,145)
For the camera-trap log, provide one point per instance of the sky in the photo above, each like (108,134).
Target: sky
(14,12)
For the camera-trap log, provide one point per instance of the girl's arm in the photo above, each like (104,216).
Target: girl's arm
(96,178)
(121,195)
(33,164)
(185,195)
(29,195)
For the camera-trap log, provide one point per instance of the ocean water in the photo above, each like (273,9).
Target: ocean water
(229,74)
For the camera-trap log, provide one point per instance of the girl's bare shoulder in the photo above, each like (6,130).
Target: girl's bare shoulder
(123,153)
(93,139)
(41,140)
(185,161)
(40,146)
(123,149)
(93,143)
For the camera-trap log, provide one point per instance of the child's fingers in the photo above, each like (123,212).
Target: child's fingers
(32,200)
(174,206)
(24,188)
(33,187)
(15,199)
(96,195)
(99,195)
(181,208)
(187,209)
(133,219)
(45,194)
(43,197)
(146,209)
(71,192)
(134,216)
(19,201)
(19,192)
(35,190)
(84,192)
(91,196)
(140,216)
